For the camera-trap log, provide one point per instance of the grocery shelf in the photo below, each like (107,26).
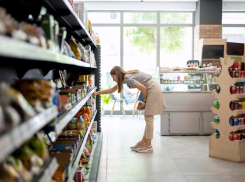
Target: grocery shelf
(48,170)
(66,16)
(186,71)
(80,151)
(13,139)
(182,84)
(90,162)
(238,112)
(13,48)
(64,119)
(239,79)
(239,127)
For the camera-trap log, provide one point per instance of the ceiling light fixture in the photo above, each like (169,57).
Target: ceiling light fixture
(141,1)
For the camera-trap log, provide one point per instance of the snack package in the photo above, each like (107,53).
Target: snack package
(82,49)
(86,152)
(72,125)
(81,124)
(10,97)
(69,51)
(38,145)
(75,48)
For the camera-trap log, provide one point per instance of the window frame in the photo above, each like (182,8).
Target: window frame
(158,26)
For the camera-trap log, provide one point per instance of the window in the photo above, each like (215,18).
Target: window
(110,57)
(102,17)
(176,18)
(233,27)
(139,31)
(233,18)
(176,46)
(140,18)
(234,34)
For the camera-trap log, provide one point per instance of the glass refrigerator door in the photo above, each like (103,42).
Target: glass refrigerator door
(171,82)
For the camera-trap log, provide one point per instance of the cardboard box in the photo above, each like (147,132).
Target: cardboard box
(60,174)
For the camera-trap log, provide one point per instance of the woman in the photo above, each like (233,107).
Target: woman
(153,98)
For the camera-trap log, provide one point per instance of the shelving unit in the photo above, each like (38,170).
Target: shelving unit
(22,60)
(15,137)
(48,170)
(64,119)
(12,48)
(75,162)
(223,148)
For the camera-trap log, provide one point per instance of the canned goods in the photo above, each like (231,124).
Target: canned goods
(234,74)
(239,121)
(235,137)
(233,89)
(239,66)
(237,90)
(243,105)
(239,137)
(232,105)
(231,137)
(240,74)
(241,90)
(236,105)
(243,121)
(242,68)
(236,122)
(231,121)
(216,119)
(239,105)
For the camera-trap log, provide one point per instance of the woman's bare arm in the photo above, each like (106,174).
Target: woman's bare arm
(106,91)
(143,89)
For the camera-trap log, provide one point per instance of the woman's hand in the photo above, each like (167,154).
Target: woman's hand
(94,94)
(141,106)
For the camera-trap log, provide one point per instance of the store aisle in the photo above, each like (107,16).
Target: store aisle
(175,158)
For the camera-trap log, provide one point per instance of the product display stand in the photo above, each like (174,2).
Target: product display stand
(223,148)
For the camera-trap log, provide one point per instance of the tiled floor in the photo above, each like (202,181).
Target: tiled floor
(175,158)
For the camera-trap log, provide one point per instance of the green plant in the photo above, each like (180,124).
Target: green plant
(105,98)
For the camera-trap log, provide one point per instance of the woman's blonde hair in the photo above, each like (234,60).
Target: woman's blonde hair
(120,73)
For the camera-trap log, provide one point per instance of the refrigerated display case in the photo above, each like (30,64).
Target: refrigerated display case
(188,97)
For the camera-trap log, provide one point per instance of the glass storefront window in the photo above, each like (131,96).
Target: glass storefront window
(176,46)
(176,18)
(233,18)
(137,18)
(102,17)
(234,34)
(110,57)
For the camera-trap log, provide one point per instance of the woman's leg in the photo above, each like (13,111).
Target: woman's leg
(149,130)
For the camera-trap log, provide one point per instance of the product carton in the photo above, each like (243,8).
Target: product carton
(60,174)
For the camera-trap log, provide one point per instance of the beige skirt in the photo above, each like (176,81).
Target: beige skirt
(155,104)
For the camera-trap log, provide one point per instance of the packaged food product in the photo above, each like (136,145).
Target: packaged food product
(12,98)
(81,124)
(86,152)
(38,145)
(72,125)
(75,48)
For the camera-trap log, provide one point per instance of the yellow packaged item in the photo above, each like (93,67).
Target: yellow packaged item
(75,48)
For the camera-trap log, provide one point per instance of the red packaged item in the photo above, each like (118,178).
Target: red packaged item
(239,66)
(239,106)
(238,136)
(231,137)
(233,90)
(235,137)
(240,74)
(237,90)
(243,121)
(241,90)
(235,65)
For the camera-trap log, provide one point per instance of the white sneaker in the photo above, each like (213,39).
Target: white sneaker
(144,149)
(138,145)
